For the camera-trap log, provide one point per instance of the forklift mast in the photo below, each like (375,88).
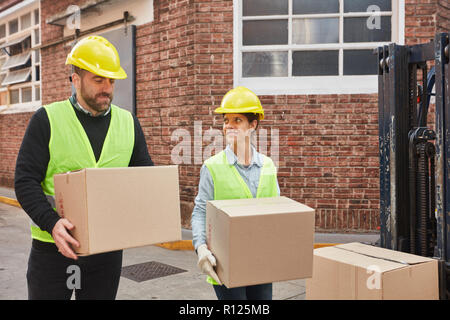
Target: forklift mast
(414,154)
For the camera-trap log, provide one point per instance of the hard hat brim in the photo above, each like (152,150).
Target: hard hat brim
(119,74)
(255,110)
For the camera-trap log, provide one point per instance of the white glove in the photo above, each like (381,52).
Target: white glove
(207,262)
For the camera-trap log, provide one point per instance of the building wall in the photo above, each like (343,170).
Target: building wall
(12,129)
(443,16)
(328,143)
(420,21)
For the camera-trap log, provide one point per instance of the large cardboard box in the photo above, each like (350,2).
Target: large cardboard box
(260,240)
(118,208)
(359,271)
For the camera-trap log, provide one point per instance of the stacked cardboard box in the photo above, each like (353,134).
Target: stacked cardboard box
(360,271)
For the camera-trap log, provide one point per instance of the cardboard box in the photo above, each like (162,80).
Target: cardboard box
(358,271)
(118,208)
(262,240)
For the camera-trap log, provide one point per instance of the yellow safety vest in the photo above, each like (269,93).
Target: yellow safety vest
(228,183)
(70,149)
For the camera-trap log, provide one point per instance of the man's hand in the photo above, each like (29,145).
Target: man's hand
(207,262)
(63,238)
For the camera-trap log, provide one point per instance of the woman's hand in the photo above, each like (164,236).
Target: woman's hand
(207,262)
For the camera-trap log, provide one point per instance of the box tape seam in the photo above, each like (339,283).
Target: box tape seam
(375,257)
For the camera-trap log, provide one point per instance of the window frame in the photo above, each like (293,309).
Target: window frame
(340,84)
(28,8)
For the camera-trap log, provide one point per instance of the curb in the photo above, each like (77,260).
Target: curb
(12,202)
(187,245)
(176,245)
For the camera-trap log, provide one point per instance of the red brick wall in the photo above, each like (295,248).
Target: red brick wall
(54,73)
(12,129)
(328,143)
(443,16)
(420,21)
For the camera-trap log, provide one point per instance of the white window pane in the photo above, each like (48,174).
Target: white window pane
(37,93)
(365,5)
(315,6)
(264,7)
(16,61)
(37,56)
(14,96)
(17,76)
(36,37)
(2,77)
(265,32)
(26,94)
(265,64)
(37,73)
(36,16)
(26,44)
(13,26)
(310,31)
(315,63)
(25,21)
(360,62)
(2,31)
(367,29)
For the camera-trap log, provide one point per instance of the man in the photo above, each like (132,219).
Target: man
(83,131)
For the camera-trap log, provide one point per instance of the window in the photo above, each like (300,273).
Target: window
(36,37)
(25,21)
(13,26)
(36,16)
(14,96)
(312,46)
(2,31)
(26,94)
(20,68)
(37,93)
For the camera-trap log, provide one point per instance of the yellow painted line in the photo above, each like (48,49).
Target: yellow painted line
(187,245)
(177,245)
(322,245)
(12,202)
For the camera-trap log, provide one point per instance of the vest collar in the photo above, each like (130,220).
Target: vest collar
(73,100)
(257,158)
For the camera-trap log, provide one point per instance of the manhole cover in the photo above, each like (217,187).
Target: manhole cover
(149,270)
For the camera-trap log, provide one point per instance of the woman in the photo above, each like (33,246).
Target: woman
(237,172)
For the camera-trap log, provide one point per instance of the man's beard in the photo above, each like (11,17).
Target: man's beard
(92,101)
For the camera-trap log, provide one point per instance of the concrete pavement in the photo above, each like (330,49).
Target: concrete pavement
(15,246)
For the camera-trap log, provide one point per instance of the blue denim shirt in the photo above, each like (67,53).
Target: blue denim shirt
(250,174)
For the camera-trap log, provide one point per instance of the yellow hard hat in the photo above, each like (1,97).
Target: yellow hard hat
(241,100)
(97,55)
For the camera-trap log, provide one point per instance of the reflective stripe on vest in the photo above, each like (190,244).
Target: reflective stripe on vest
(70,148)
(228,183)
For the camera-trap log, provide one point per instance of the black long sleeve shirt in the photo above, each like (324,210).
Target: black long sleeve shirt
(34,155)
